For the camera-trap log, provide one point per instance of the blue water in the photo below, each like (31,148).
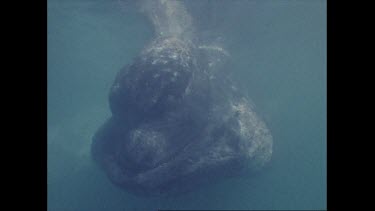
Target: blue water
(278,54)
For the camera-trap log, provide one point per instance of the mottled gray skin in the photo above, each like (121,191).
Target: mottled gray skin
(175,125)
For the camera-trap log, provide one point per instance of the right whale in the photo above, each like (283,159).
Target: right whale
(176,125)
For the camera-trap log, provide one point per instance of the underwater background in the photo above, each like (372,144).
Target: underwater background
(278,54)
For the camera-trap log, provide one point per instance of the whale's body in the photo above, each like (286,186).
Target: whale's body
(175,125)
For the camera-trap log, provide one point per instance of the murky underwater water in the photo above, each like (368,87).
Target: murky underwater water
(278,53)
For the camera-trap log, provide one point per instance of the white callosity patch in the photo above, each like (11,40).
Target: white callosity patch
(162,51)
(215,56)
(255,137)
(218,154)
(146,144)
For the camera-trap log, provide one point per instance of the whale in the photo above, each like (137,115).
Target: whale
(176,125)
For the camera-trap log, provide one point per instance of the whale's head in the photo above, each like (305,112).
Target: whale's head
(157,81)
